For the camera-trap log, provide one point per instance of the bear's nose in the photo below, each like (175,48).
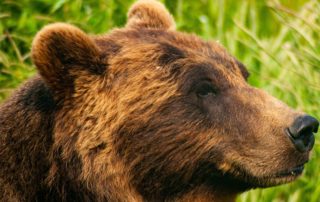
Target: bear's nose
(301,132)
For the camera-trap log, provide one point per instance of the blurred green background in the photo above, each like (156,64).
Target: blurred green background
(278,40)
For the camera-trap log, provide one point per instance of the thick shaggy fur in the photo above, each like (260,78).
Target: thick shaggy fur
(144,113)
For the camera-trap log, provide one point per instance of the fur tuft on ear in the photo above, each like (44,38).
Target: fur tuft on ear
(150,14)
(61,52)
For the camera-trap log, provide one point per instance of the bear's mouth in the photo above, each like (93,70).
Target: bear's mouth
(293,172)
(281,177)
(277,178)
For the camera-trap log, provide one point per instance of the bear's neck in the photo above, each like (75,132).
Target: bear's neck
(203,194)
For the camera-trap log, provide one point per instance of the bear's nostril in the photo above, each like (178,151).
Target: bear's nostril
(304,125)
(301,132)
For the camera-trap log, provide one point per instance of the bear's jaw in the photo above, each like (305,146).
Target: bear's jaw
(210,187)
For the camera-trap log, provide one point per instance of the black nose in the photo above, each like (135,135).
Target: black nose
(301,132)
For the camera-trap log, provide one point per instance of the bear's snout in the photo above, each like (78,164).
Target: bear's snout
(301,132)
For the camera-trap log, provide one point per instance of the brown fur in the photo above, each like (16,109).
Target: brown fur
(119,117)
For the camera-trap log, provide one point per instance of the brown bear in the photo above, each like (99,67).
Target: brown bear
(144,113)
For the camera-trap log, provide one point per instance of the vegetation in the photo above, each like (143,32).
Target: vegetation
(278,40)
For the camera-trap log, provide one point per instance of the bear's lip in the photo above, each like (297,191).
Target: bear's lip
(293,172)
(275,178)
(281,177)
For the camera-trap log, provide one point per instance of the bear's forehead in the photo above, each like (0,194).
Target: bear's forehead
(183,41)
(172,44)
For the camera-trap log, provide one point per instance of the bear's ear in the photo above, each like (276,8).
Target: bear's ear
(149,14)
(62,52)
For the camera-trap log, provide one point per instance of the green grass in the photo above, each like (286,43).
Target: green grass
(279,41)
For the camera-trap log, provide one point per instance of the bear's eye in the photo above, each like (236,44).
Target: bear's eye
(205,89)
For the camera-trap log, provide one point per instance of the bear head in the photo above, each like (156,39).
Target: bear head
(148,112)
